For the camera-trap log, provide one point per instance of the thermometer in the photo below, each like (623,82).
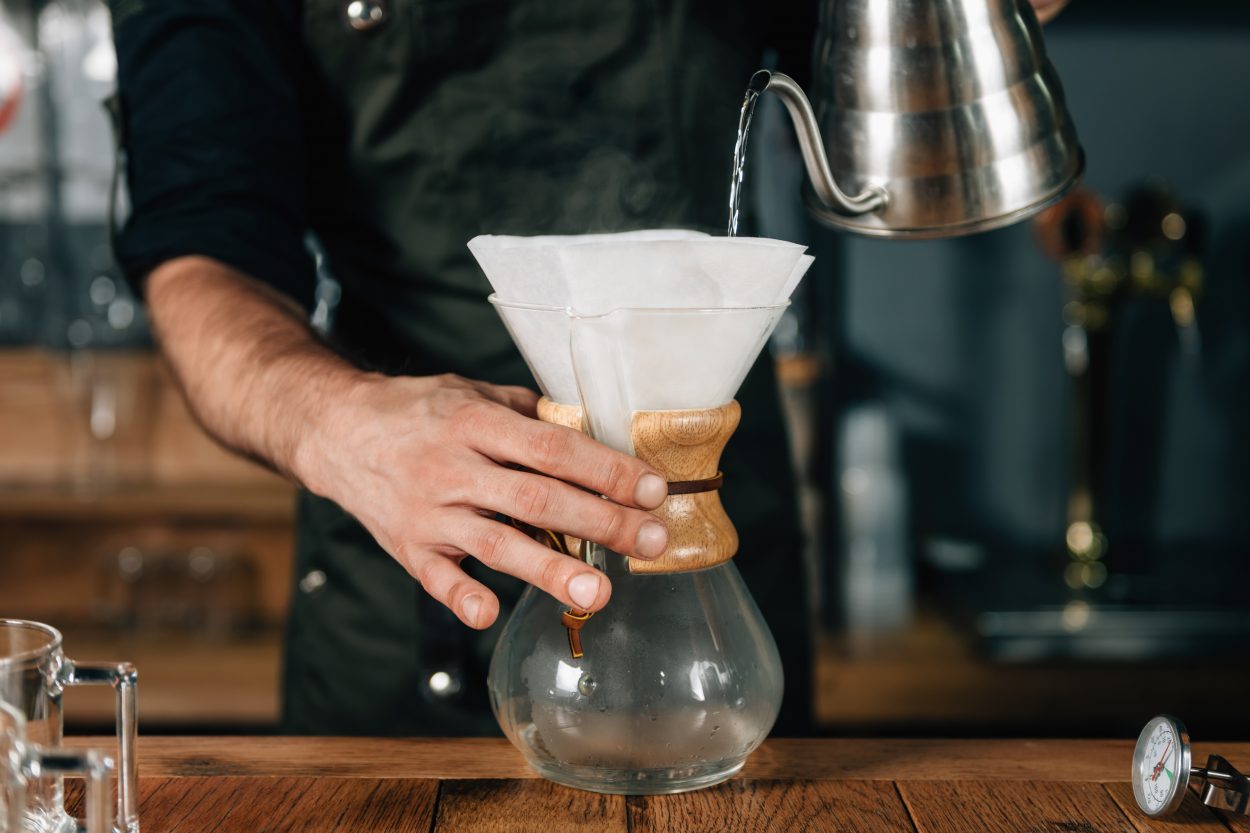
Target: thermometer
(1162,768)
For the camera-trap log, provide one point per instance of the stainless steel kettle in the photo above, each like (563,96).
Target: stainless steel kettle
(934,118)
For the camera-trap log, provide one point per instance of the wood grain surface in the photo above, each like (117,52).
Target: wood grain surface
(1192,815)
(570,416)
(233,804)
(683,446)
(256,785)
(759,806)
(837,759)
(525,807)
(1238,824)
(1012,807)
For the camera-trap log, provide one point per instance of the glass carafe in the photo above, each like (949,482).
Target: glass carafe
(677,680)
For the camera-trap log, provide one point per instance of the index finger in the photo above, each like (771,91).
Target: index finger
(572,456)
(522,400)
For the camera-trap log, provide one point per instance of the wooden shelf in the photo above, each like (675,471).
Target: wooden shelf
(105,418)
(931,678)
(183,681)
(265,503)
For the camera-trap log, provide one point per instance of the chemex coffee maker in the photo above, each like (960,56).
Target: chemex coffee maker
(641,340)
(940,117)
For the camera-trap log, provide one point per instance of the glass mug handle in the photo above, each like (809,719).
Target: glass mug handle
(125,681)
(94,766)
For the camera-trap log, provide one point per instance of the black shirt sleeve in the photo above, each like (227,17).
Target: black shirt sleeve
(211,125)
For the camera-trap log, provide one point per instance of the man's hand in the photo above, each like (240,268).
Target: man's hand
(1047,9)
(424,463)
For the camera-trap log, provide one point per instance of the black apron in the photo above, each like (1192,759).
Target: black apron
(459,117)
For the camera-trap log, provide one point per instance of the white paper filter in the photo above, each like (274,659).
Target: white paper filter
(541,333)
(528,269)
(703,273)
(649,320)
(633,360)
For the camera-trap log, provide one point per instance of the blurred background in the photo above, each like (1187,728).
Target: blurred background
(1024,462)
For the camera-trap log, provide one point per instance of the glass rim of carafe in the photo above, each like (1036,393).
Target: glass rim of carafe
(51,647)
(571,314)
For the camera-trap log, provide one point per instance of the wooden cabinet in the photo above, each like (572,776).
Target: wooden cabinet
(124,525)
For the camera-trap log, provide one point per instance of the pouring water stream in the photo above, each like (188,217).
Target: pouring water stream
(740,156)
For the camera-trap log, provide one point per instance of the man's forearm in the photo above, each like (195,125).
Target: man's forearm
(254,373)
(423,463)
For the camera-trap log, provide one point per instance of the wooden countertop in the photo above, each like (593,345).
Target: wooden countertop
(224,785)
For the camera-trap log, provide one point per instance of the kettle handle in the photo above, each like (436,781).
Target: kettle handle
(871,199)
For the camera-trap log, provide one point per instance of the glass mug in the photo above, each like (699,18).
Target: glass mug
(21,764)
(34,672)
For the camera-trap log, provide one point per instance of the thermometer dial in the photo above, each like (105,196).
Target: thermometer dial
(1161,766)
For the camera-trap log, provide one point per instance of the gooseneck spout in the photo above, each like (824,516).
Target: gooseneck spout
(872,198)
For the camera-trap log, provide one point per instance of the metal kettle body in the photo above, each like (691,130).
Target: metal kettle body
(933,118)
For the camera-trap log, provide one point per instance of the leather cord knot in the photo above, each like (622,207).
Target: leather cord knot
(573,619)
